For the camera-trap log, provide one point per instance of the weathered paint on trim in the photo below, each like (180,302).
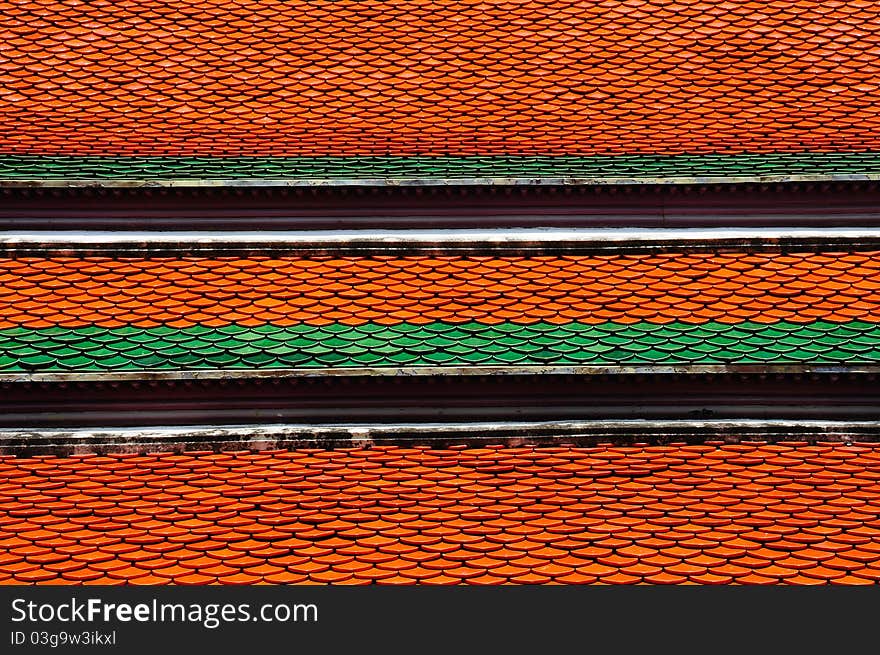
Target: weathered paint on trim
(263,437)
(441,371)
(534,240)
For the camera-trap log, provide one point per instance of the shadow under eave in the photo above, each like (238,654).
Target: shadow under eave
(446,398)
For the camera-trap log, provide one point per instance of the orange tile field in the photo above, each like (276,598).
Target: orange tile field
(692,288)
(270,78)
(751,513)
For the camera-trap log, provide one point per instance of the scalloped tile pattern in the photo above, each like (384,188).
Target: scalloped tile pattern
(340,169)
(750,513)
(347,78)
(436,344)
(290,290)
(101,313)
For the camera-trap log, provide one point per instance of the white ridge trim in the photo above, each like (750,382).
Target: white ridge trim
(416,181)
(367,431)
(427,371)
(414,237)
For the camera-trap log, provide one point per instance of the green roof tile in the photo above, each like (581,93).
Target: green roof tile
(35,167)
(234,347)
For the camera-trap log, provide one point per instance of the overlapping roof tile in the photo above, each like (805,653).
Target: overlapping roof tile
(135,313)
(749,513)
(262,88)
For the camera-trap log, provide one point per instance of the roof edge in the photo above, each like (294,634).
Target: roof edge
(441,240)
(30,441)
(500,181)
(440,371)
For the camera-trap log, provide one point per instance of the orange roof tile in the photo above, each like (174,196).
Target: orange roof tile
(416,77)
(287,290)
(529,529)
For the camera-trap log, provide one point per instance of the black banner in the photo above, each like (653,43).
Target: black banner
(331,619)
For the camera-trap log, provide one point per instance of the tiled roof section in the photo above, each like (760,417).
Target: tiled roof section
(101,313)
(750,513)
(695,288)
(434,169)
(265,78)
(435,344)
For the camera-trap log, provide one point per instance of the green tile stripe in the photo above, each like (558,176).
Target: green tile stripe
(436,344)
(69,167)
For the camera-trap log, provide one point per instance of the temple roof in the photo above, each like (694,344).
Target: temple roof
(515,343)
(336,92)
(749,513)
(282,311)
